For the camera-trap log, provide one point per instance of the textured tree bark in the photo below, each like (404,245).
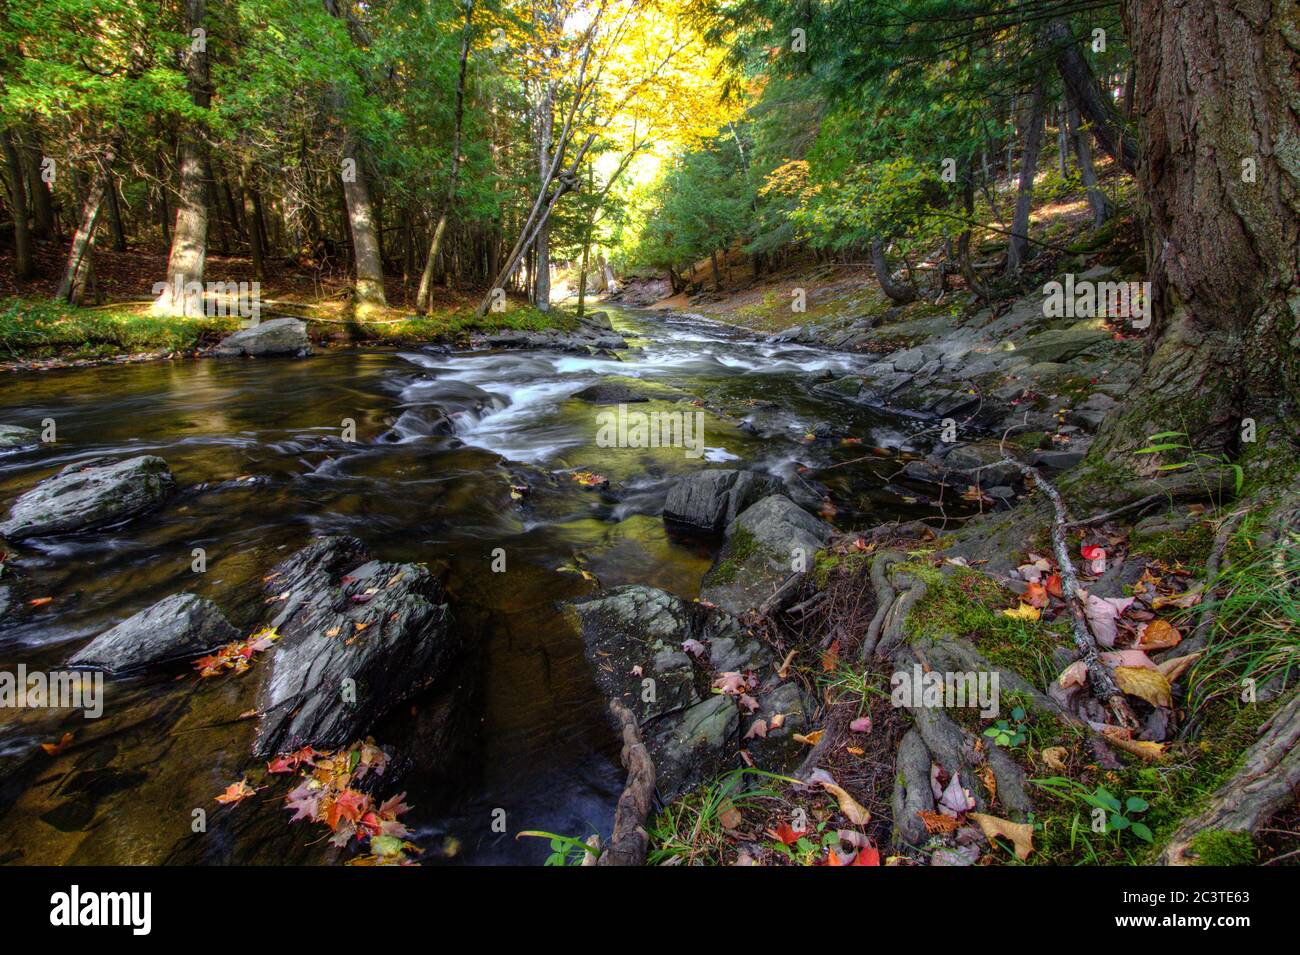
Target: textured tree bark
(1221,215)
(545,129)
(628,842)
(255,240)
(1018,246)
(365,237)
(1082,86)
(38,190)
(115,226)
(189,246)
(18,198)
(899,292)
(1098,201)
(76,275)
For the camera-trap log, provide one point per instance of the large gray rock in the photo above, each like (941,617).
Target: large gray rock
(634,634)
(609,393)
(1062,345)
(765,544)
(90,495)
(277,336)
(357,637)
(174,628)
(13,437)
(709,500)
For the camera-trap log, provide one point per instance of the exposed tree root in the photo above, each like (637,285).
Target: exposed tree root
(1266,782)
(627,844)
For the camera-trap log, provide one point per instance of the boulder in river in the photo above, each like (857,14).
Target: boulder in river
(15,438)
(660,656)
(277,336)
(609,393)
(768,541)
(90,495)
(711,499)
(358,636)
(176,627)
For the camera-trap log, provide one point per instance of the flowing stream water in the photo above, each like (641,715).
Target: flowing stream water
(258,452)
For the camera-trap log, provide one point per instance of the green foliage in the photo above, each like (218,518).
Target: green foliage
(1009,733)
(1218,847)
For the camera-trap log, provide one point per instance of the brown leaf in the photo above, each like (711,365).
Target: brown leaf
(990,781)
(1159,635)
(728,814)
(1021,834)
(937,822)
(1054,758)
(53,749)
(1173,669)
(848,805)
(831,658)
(812,739)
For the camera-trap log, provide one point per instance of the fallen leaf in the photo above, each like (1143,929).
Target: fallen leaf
(937,822)
(990,781)
(728,814)
(861,725)
(1173,669)
(757,728)
(1145,683)
(236,793)
(786,834)
(39,601)
(831,658)
(1096,558)
(1023,612)
(1145,749)
(1035,595)
(1159,635)
(1021,834)
(812,739)
(53,749)
(855,813)
(1054,758)
(1102,612)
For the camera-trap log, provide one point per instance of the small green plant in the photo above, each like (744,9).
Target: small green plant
(1167,442)
(1010,734)
(565,850)
(1110,815)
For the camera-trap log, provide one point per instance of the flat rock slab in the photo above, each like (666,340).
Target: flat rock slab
(277,336)
(764,546)
(175,628)
(358,636)
(84,496)
(633,637)
(711,499)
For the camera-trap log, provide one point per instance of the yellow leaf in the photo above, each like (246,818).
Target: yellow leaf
(848,805)
(812,739)
(1021,834)
(1024,612)
(1146,683)
(1151,752)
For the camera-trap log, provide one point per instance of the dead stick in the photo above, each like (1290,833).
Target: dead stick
(628,841)
(1100,677)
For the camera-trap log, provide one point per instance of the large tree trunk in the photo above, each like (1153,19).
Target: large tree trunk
(899,292)
(1221,216)
(189,248)
(426,278)
(1082,86)
(1018,246)
(1097,198)
(256,246)
(18,199)
(365,237)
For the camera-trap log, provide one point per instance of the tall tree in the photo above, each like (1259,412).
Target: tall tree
(189,247)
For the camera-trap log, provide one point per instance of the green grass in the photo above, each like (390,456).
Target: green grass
(689,832)
(39,329)
(35,329)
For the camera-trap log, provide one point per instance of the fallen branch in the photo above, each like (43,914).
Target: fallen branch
(627,843)
(1100,677)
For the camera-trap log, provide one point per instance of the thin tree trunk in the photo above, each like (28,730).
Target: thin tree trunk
(255,247)
(1098,201)
(18,198)
(38,190)
(115,227)
(1018,247)
(189,246)
(1080,82)
(542,247)
(426,278)
(76,274)
(717,278)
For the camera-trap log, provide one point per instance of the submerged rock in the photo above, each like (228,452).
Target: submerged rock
(633,637)
(765,544)
(609,393)
(90,495)
(358,636)
(176,627)
(709,500)
(13,437)
(278,336)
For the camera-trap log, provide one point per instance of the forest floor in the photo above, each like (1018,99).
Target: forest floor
(36,332)
(1192,596)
